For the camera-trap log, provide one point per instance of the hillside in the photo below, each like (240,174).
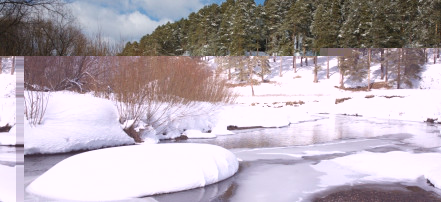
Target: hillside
(297,93)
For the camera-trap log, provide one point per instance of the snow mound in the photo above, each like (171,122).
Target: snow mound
(392,166)
(198,134)
(8,176)
(75,122)
(134,171)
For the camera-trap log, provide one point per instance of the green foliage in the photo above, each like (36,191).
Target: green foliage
(237,26)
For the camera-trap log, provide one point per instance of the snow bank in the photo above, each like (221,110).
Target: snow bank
(75,122)
(135,171)
(394,166)
(8,183)
(7,108)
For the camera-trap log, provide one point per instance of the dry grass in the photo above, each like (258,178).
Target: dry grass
(376,85)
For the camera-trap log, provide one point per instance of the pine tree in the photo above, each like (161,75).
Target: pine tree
(354,66)
(298,22)
(356,29)
(225,29)
(263,67)
(275,13)
(319,28)
(244,24)
(316,69)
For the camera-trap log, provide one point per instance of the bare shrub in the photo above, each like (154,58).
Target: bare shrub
(160,90)
(35,106)
(76,73)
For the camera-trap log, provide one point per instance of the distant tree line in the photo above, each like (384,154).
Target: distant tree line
(285,27)
(46,27)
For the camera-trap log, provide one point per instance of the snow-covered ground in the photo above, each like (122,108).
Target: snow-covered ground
(75,122)
(7,103)
(294,98)
(373,167)
(8,182)
(83,122)
(135,171)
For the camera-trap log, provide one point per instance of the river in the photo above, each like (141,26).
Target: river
(275,164)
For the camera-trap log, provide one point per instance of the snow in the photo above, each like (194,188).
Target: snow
(7,104)
(269,108)
(75,122)
(396,166)
(133,171)
(198,134)
(8,182)
(417,103)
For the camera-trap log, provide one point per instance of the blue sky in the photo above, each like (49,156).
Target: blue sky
(129,20)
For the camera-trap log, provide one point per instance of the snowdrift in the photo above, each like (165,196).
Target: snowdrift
(134,171)
(75,122)
(396,166)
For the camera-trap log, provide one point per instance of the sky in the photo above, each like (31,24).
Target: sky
(129,20)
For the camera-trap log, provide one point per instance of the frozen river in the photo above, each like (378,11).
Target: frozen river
(294,163)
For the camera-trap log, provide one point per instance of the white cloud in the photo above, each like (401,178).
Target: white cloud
(130,19)
(114,20)
(173,9)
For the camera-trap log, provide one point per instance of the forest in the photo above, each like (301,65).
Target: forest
(301,27)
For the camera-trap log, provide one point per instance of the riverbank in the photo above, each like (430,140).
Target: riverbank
(378,193)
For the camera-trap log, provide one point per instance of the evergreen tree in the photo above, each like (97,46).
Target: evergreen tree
(263,67)
(300,17)
(356,29)
(319,28)
(225,29)
(243,26)
(276,13)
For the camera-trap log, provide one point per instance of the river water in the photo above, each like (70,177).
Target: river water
(275,164)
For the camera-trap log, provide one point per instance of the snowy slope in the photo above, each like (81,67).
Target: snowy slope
(134,171)
(75,122)
(405,104)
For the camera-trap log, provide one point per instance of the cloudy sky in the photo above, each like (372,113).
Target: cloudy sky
(129,20)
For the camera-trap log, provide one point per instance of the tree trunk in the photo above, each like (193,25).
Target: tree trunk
(369,70)
(229,73)
(327,68)
(13,65)
(251,79)
(399,69)
(294,63)
(385,67)
(315,70)
(281,62)
(381,63)
(306,61)
(342,77)
(301,61)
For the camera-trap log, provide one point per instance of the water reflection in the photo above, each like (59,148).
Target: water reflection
(321,130)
